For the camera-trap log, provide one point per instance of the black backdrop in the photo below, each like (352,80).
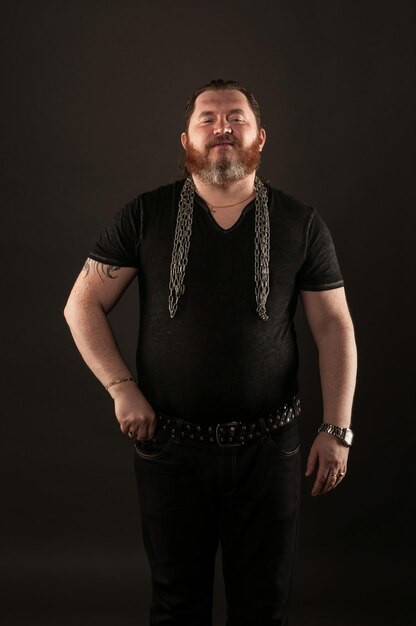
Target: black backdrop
(91,112)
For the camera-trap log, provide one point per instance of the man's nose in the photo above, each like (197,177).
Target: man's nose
(222,127)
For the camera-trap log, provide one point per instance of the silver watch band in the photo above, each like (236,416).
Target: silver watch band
(345,435)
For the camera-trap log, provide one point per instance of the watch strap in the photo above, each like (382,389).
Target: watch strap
(345,435)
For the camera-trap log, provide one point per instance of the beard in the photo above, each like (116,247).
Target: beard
(230,165)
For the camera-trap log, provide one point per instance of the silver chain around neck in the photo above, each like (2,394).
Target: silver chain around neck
(182,242)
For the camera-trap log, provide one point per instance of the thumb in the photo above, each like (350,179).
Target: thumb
(310,465)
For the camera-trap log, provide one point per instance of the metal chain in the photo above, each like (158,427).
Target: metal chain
(181,245)
(182,242)
(261,248)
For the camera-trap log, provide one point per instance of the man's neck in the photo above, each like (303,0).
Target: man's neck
(230,194)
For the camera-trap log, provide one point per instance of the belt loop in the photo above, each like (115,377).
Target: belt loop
(265,433)
(178,429)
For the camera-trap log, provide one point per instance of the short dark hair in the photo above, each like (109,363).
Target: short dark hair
(218,85)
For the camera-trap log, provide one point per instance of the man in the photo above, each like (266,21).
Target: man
(221,259)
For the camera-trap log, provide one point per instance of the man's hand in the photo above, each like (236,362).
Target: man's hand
(136,417)
(330,457)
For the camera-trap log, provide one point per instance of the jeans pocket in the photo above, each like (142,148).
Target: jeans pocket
(153,449)
(285,439)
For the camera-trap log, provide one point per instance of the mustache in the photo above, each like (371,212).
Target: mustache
(223,139)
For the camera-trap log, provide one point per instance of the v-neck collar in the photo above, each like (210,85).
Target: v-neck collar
(212,219)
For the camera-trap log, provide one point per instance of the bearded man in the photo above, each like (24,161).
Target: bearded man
(221,260)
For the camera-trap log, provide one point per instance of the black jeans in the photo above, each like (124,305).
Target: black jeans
(193,495)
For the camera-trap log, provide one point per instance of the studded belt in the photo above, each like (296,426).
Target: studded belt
(233,433)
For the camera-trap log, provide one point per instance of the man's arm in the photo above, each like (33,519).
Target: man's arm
(331,325)
(95,292)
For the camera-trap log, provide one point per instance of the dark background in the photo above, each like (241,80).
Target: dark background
(91,112)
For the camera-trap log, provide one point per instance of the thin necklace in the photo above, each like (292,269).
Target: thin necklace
(212,207)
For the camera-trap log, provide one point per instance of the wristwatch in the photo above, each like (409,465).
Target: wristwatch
(345,435)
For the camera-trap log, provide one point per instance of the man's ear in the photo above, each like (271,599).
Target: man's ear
(184,139)
(262,135)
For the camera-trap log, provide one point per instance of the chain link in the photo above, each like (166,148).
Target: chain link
(181,245)
(182,242)
(261,248)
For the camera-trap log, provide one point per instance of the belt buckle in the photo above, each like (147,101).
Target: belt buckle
(226,444)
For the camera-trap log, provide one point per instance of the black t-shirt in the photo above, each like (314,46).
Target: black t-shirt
(216,360)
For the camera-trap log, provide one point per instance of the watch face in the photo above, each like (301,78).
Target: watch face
(348,437)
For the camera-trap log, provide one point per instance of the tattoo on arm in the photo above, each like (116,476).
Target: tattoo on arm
(103,270)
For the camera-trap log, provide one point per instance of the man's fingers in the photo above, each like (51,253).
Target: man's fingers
(327,480)
(146,430)
(124,427)
(330,482)
(143,428)
(319,484)
(310,465)
(143,434)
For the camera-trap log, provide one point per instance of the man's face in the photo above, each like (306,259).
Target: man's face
(223,142)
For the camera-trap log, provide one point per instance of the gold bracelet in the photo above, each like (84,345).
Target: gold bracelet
(117,382)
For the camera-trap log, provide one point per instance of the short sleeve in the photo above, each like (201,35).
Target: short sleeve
(119,243)
(320,269)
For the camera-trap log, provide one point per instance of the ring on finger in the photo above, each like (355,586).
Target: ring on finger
(132,433)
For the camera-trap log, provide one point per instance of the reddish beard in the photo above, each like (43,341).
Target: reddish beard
(248,159)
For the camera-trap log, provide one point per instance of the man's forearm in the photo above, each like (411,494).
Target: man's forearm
(338,372)
(95,341)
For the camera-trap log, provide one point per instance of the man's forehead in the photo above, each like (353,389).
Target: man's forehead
(230,98)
